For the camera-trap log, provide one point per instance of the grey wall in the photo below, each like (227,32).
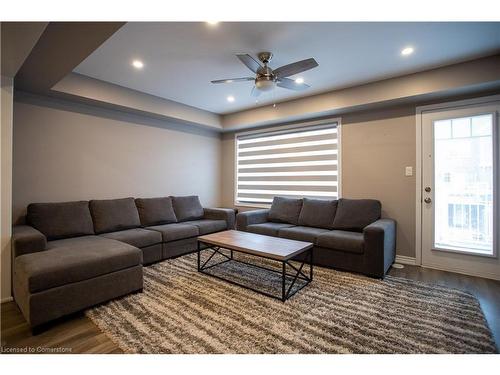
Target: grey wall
(65,151)
(376,146)
(6,99)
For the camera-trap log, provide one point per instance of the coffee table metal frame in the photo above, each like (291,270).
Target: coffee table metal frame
(286,293)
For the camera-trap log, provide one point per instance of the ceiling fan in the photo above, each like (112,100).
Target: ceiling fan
(266,78)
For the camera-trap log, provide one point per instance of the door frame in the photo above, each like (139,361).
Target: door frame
(420,110)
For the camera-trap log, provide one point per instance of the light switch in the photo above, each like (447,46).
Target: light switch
(409,171)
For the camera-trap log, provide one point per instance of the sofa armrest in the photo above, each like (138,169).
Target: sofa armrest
(227,214)
(26,239)
(247,218)
(380,246)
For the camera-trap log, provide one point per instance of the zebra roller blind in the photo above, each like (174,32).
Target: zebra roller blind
(294,162)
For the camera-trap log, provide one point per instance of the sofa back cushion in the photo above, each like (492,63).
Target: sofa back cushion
(155,211)
(318,213)
(61,220)
(285,210)
(110,215)
(355,214)
(187,208)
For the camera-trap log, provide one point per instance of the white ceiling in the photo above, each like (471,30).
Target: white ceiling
(180,59)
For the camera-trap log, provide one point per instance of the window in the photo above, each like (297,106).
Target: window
(294,162)
(464,181)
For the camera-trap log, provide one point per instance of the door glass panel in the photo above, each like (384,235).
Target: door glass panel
(463,183)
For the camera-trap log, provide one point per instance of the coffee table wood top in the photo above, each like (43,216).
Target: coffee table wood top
(257,244)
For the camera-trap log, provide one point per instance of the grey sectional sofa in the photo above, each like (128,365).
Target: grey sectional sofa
(348,234)
(73,255)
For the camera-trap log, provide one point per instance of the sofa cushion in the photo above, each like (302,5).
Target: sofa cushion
(318,213)
(355,214)
(351,242)
(268,229)
(137,237)
(177,231)
(208,225)
(307,234)
(285,210)
(111,215)
(61,220)
(155,211)
(74,259)
(187,208)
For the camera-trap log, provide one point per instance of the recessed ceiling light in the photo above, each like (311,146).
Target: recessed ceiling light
(299,80)
(407,51)
(230,98)
(138,64)
(213,23)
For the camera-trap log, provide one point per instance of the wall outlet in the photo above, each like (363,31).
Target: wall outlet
(409,171)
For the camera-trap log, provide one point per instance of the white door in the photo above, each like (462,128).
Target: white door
(460,179)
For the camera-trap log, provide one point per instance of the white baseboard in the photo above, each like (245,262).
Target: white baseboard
(401,259)
(405,260)
(468,272)
(7,299)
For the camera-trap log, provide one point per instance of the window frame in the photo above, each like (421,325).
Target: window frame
(299,125)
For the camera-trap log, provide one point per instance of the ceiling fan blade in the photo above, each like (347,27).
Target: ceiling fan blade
(231,80)
(296,67)
(288,83)
(249,61)
(255,92)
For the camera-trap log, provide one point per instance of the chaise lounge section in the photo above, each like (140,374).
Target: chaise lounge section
(347,234)
(73,255)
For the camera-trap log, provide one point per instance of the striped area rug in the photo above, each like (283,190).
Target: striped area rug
(183,311)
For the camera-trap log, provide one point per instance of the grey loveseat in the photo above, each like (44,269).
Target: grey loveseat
(73,255)
(347,233)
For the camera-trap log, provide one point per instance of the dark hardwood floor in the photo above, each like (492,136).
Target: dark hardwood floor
(72,334)
(77,334)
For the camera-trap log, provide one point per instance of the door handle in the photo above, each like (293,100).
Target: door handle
(428,189)
(427,200)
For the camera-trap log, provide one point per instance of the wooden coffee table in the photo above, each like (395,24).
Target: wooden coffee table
(277,249)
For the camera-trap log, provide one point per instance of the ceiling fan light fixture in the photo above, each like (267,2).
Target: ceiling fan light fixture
(265,84)
(267,79)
